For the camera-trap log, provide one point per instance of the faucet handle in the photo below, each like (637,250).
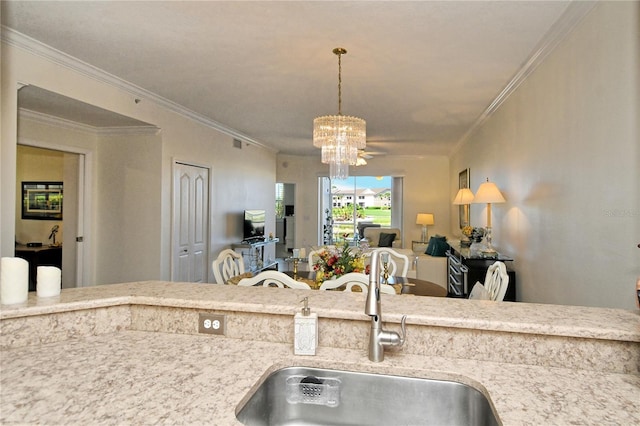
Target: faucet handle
(403,327)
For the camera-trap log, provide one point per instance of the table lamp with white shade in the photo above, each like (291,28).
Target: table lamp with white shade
(424,219)
(464,197)
(488,193)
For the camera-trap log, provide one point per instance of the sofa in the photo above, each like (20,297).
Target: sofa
(372,235)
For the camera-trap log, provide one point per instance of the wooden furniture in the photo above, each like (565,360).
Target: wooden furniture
(39,256)
(253,254)
(466,267)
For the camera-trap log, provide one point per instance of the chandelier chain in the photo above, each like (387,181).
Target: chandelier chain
(340,82)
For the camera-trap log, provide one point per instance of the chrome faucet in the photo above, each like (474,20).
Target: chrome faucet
(379,338)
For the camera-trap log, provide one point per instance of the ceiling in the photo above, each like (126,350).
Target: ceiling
(421,73)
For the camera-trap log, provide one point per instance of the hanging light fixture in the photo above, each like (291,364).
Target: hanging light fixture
(339,136)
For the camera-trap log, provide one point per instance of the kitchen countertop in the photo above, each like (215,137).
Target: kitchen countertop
(130,376)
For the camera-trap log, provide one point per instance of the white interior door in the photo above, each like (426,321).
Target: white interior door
(190,223)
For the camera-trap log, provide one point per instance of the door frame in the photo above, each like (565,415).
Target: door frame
(174,234)
(84,252)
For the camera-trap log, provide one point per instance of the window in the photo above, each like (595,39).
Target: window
(379,201)
(279,200)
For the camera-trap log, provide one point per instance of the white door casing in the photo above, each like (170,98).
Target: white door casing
(190,230)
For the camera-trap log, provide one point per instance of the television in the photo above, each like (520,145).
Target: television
(253,228)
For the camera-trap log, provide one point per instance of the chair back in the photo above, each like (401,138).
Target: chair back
(350,280)
(496,281)
(354,280)
(313,256)
(273,279)
(394,259)
(495,284)
(228,264)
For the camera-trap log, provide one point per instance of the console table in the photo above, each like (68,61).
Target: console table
(466,267)
(253,255)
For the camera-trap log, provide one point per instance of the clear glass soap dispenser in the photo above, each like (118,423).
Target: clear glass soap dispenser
(305,338)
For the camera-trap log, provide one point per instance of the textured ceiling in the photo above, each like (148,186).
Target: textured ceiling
(420,73)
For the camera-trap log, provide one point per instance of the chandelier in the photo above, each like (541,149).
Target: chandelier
(339,136)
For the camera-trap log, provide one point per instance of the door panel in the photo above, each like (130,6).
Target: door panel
(191,224)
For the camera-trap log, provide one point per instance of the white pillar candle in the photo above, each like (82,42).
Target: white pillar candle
(14,280)
(296,253)
(48,283)
(303,253)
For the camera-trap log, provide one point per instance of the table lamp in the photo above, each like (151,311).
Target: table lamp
(490,194)
(424,219)
(464,197)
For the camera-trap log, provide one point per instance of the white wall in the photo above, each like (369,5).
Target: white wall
(564,150)
(240,178)
(426,190)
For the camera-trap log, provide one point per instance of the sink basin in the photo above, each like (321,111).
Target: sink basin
(312,396)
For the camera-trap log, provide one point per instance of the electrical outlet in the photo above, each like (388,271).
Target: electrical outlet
(212,324)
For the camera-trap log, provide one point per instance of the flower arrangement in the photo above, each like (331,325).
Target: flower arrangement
(335,261)
(474,234)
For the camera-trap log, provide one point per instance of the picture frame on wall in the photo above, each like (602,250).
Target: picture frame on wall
(42,200)
(464,181)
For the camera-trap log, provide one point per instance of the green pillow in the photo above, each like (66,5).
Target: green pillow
(386,240)
(438,246)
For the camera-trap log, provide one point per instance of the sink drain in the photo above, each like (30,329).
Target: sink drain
(313,390)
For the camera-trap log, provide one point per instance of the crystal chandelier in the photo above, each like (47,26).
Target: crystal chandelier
(339,136)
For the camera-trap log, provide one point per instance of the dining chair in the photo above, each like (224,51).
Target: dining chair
(354,280)
(228,264)
(495,284)
(313,256)
(394,259)
(350,280)
(273,279)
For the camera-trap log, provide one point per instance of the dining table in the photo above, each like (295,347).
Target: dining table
(408,286)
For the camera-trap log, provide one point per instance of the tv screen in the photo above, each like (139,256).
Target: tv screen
(254,224)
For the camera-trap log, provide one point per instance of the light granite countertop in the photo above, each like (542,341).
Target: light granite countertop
(149,377)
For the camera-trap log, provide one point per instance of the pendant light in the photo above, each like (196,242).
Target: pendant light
(339,136)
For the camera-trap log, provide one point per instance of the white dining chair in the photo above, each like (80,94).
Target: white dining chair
(354,280)
(394,259)
(495,284)
(350,280)
(228,264)
(273,279)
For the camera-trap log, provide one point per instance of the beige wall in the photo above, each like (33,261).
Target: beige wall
(564,150)
(136,240)
(426,190)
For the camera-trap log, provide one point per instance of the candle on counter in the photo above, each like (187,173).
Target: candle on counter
(14,280)
(49,281)
(296,253)
(303,253)
(385,257)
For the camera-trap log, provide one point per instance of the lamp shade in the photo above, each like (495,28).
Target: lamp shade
(488,193)
(464,196)
(424,219)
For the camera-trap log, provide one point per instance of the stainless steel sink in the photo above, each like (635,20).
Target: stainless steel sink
(311,396)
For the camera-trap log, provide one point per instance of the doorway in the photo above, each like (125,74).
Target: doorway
(63,236)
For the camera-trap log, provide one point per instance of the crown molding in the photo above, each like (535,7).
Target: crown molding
(25,114)
(38,48)
(574,13)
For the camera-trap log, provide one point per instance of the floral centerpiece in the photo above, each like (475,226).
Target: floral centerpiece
(473,234)
(335,261)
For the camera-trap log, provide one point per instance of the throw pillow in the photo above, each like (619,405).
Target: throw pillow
(386,240)
(438,246)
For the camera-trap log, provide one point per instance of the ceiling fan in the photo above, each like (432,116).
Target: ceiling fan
(364,155)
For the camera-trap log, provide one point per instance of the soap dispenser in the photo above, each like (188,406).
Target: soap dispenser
(305,338)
